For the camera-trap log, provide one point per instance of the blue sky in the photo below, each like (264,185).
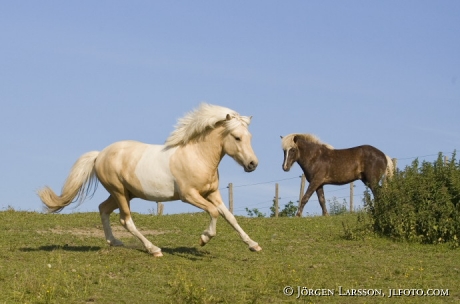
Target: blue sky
(76,76)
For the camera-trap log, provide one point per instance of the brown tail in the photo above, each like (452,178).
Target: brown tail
(77,187)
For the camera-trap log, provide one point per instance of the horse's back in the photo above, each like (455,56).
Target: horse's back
(362,158)
(121,155)
(366,152)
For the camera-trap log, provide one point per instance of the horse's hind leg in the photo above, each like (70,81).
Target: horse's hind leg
(322,199)
(127,222)
(375,188)
(373,184)
(105,209)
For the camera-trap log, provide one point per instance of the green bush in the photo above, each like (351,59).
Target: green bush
(420,203)
(289,210)
(254,212)
(336,208)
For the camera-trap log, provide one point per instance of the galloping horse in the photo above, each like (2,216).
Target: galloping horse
(185,168)
(322,165)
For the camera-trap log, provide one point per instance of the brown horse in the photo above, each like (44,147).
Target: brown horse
(323,165)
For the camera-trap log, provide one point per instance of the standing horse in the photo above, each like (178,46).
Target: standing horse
(185,168)
(322,165)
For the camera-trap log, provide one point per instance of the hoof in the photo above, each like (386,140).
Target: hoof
(202,243)
(255,248)
(157,254)
(155,251)
(115,243)
(204,240)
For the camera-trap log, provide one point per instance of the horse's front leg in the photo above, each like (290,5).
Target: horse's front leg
(311,188)
(216,199)
(322,200)
(193,197)
(209,233)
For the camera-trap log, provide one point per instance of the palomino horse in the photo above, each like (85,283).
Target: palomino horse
(322,165)
(184,168)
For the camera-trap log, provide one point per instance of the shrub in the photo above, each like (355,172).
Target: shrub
(420,203)
(254,212)
(336,208)
(289,210)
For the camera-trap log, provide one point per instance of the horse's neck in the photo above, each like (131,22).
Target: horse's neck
(309,153)
(210,148)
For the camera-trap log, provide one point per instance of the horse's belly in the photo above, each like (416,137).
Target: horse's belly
(154,175)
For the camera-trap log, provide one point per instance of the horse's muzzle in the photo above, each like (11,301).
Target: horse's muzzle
(251,166)
(285,168)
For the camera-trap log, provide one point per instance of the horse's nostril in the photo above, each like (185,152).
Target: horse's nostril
(252,165)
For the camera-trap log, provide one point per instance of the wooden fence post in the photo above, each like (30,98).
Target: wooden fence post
(160,207)
(276,200)
(351,196)
(302,187)
(230,197)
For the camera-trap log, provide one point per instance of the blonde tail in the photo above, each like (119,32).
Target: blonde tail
(390,167)
(77,187)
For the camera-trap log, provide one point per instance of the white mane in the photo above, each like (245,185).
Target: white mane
(205,117)
(287,141)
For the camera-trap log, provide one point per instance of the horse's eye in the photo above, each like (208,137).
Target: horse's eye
(237,138)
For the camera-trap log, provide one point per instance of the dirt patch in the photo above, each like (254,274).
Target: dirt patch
(118,231)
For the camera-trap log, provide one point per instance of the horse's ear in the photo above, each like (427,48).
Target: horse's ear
(228,117)
(295,139)
(281,136)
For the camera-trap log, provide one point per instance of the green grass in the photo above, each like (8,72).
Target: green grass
(63,258)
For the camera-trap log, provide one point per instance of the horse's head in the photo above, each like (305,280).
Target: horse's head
(237,142)
(291,151)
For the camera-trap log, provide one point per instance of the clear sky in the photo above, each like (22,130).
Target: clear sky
(76,76)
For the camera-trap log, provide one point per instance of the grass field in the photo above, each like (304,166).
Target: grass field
(63,258)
